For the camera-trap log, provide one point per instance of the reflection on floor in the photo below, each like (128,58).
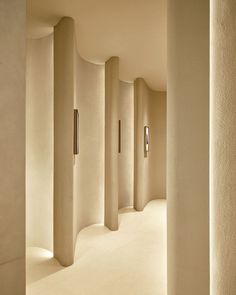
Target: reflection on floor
(131,261)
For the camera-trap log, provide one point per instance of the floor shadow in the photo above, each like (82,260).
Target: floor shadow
(127,210)
(40,264)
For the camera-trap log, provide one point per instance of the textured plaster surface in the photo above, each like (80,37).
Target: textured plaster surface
(12,146)
(188,147)
(223,148)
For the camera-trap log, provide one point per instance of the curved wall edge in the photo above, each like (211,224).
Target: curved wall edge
(111,142)
(64,49)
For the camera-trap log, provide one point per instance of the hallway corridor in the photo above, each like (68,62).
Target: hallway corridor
(130,261)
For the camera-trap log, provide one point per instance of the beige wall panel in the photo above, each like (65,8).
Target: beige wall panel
(157,154)
(39,143)
(89,164)
(150,169)
(64,47)
(111,142)
(188,147)
(223,147)
(126,157)
(12,277)
(12,146)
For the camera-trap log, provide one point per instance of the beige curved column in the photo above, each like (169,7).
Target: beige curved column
(63,140)
(111,142)
(139,189)
(223,148)
(188,147)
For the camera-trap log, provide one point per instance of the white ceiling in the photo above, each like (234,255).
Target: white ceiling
(134,30)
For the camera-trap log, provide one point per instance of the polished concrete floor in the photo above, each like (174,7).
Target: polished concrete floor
(131,261)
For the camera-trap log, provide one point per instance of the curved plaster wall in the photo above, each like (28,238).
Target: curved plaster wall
(150,169)
(89,164)
(86,90)
(188,147)
(39,143)
(79,180)
(126,156)
(223,147)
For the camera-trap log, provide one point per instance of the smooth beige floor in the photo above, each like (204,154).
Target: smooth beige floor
(130,261)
